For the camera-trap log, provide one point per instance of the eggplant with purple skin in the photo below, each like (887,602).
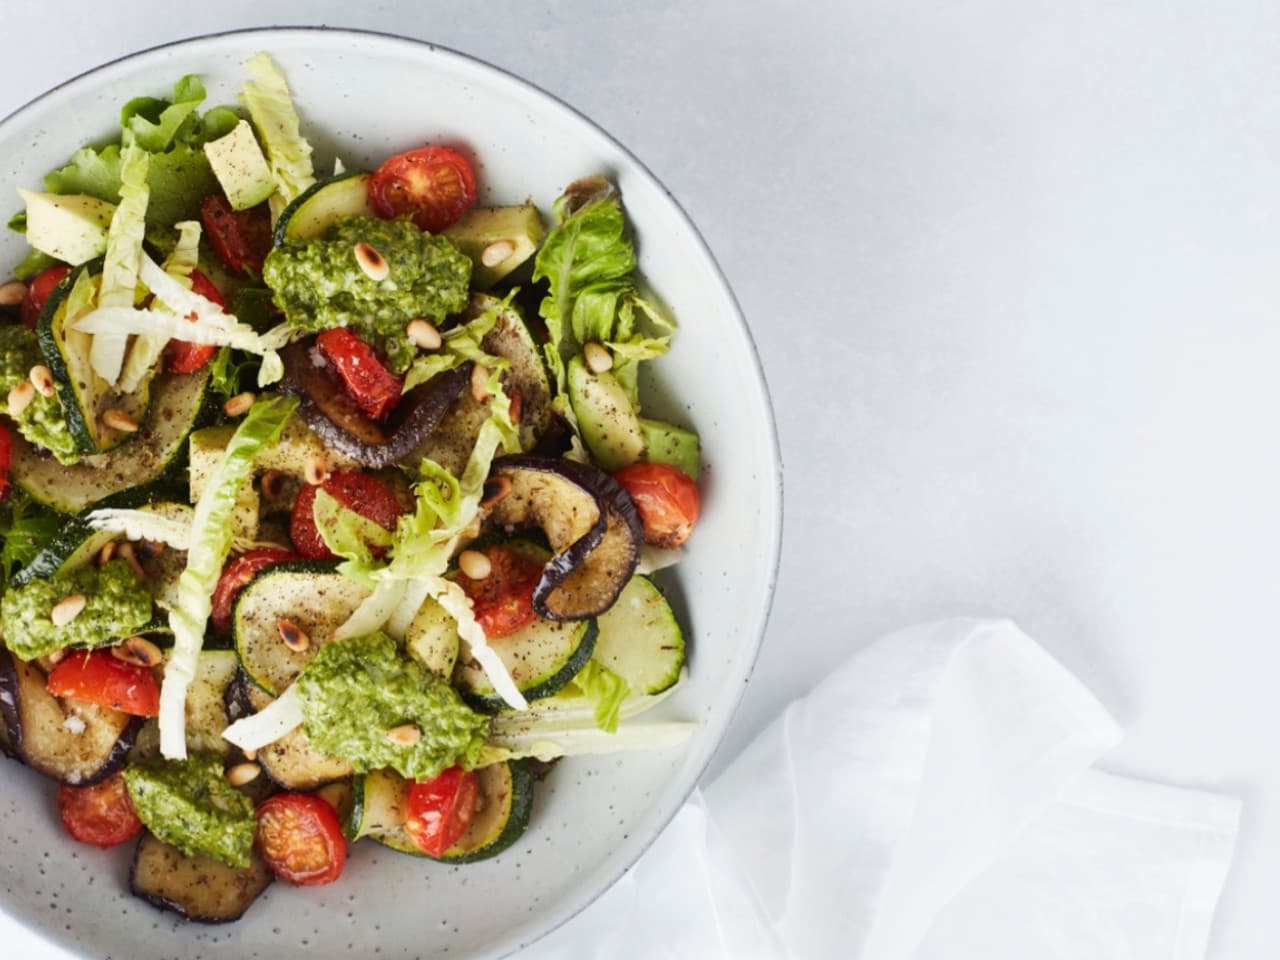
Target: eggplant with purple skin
(339,421)
(198,888)
(590,523)
(73,741)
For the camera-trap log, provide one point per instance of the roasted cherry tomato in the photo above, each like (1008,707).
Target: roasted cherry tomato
(38,291)
(667,499)
(301,839)
(503,601)
(365,494)
(102,814)
(433,186)
(235,575)
(240,238)
(438,811)
(6,459)
(181,356)
(100,678)
(372,386)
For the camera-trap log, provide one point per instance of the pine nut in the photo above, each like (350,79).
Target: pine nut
(139,651)
(474,564)
(107,552)
(371,262)
(496,252)
(405,735)
(495,490)
(119,420)
(20,398)
(272,486)
(516,399)
(12,293)
(598,357)
(51,660)
(480,383)
(67,609)
(315,471)
(239,405)
(243,773)
(42,379)
(423,334)
(126,553)
(292,635)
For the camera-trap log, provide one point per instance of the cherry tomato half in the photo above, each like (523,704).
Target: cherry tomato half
(38,291)
(667,499)
(440,810)
(375,389)
(365,494)
(301,839)
(241,239)
(235,576)
(503,601)
(102,814)
(6,459)
(433,186)
(100,678)
(181,356)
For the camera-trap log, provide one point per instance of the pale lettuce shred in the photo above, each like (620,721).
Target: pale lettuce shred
(278,718)
(142,525)
(271,107)
(209,545)
(146,349)
(120,266)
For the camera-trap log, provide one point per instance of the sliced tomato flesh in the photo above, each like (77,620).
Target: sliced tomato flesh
(361,492)
(181,356)
(440,810)
(102,814)
(98,677)
(241,239)
(432,186)
(300,838)
(38,291)
(235,576)
(372,386)
(667,499)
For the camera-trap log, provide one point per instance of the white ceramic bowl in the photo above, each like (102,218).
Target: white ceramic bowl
(362,97)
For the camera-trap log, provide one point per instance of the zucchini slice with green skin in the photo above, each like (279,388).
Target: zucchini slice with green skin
(83,394)
(314,210)
(309,593)
(198,888)
(541,658)
(179,403)
(77,544)
(206,710)
(640,639)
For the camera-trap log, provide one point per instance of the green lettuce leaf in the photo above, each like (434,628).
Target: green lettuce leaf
(155,124)
(271,106)
(349,535)
(606,691)
(178,179)
(26,528)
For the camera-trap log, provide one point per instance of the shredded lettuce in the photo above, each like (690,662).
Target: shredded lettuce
(143,525)
(349,534)
(548,739)
(278,718)
(120,266)
(604,689)
(288,153)
(210,544)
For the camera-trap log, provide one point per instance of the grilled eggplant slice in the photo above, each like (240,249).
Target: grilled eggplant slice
(198,888)
(338,421)
(289,762)
(589,521)
(73,741)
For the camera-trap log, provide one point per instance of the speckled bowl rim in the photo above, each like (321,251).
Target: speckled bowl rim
(773,512)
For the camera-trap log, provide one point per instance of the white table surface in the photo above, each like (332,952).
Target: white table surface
(1014,272)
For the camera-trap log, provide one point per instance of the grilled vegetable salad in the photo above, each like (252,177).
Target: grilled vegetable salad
(327,501)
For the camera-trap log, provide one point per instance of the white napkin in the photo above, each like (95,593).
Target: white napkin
(932,798)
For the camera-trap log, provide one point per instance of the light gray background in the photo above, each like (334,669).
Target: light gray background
(1012,269)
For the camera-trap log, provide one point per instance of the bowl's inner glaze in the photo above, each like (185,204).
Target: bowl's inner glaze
(592,816)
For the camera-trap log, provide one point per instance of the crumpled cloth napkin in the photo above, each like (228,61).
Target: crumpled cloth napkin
(933,798)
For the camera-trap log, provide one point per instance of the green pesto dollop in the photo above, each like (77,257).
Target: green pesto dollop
(355,690)
(42,421)
(319,283)
(189,805)
(117,605)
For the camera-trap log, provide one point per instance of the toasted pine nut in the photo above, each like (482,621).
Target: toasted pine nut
(107,552)
(12,293)
(315,471)
(42,379)
(405,735)
(371,262)
(495,490)
(496,252)
(139,651)
(119,420)
(292,635)
(516,399)
(67,609)
(126,553)
(243,773)
(474,564)
(480,383)
(20,398)
(423,334)
(598,357)
(239,405)
(272,485)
